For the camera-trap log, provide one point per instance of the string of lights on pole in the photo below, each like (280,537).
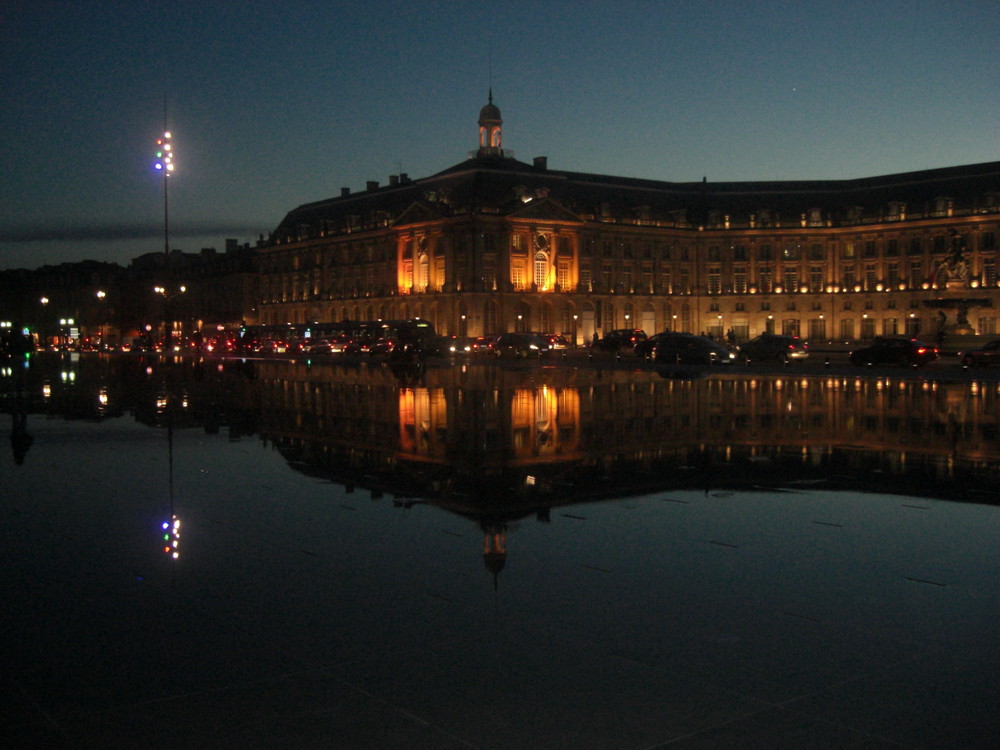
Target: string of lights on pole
(165,165)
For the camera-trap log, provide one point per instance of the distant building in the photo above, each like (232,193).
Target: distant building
(494,244)
(104,304)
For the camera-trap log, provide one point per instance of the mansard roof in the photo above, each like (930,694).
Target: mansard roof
(503,185)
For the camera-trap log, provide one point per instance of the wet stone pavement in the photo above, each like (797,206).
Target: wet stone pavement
(302,609)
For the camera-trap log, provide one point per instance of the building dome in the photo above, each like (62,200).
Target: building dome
(490,113)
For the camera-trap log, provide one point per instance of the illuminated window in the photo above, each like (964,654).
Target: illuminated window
(870,278)
(423,270)
(740,280)
(816,278)
(714,280)
(990,271)
(541,270)
(562,275)
(764,280)
(791,279)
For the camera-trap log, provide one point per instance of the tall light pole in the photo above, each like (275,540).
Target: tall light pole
(165,164)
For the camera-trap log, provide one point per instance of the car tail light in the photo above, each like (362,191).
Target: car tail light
(921,350)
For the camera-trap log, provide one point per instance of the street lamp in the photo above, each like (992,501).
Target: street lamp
(168,323)
(101,295)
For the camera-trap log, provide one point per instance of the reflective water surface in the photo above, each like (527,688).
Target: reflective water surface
(272,554)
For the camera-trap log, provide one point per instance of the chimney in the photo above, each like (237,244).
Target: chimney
(404,178)
(393,180)
(344,192)
(371,185)
(541,163)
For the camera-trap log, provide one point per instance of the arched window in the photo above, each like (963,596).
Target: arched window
(423,271)
(541,270)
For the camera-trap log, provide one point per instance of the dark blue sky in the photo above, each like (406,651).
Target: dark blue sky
(272,105)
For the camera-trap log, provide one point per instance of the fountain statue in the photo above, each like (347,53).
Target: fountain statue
(954,271)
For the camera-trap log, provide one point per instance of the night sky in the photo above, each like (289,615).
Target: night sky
(272,105)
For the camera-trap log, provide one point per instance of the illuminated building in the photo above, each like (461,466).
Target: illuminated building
(494,244)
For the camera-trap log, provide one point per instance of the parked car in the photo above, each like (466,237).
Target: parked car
(643,348)
(620,340)
(688,349)
(520,345)
(989,354)
(895,351)
(557,341)
(771,346)
(484,345)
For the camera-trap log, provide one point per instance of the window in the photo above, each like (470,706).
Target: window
(765,252)
(562,275)
(816,251)
(627,278)
(891,248)
(989,271)
(916,274)
(423,270)
(849,278)
(816,278)
(892,275)
(791,252)
(541,275)
(870,278)
(714,280)
(764,280)
(849,249)
(739,252)
(791,279)
(517,276)
(871,249)
(916,246)
(740,280)
(713,253)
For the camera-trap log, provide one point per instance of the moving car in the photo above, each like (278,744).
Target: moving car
(328,345)
(520,345)
(688,349)
(771,346)
(989,354)
(895,351)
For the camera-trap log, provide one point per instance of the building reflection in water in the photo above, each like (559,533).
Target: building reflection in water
(496,445)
